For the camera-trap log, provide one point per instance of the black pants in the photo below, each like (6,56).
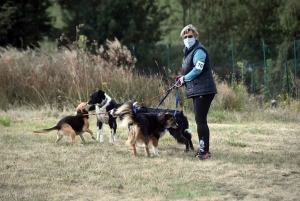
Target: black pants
(201,108)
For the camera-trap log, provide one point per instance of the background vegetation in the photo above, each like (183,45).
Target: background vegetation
(247,40)
(54,53)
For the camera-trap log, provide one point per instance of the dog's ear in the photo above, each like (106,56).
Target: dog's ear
(82,107)
(169,115)
(161,116)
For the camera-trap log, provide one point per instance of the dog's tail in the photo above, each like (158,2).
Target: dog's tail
(131,135)
(47,130)
(188,132)
(126,113)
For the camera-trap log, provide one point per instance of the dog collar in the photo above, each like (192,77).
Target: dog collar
(103,103)
(163,128)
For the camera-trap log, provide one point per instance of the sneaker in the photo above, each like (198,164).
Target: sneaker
(203,155)
(197,153)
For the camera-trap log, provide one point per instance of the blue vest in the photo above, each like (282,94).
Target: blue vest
(204,84)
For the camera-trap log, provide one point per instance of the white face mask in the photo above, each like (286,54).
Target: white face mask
(189,42)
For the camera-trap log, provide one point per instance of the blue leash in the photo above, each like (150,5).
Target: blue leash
(176,85)
(176,101)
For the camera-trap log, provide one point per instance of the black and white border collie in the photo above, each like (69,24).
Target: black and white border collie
(103,103)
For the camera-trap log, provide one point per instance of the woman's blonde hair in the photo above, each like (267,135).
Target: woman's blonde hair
(188,28)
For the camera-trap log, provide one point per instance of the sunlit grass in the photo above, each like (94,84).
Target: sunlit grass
(249,160)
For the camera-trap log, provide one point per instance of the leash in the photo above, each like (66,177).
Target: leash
(177,97)
(139,103)
(176,85)
(95,113)
(176,101)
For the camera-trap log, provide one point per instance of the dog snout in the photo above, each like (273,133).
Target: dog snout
(87,106)
(175,125)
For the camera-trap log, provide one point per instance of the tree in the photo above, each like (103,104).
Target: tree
(130,21)
(7,11)
(290,19)
(25,23)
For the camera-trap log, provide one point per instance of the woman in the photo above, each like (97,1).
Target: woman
(200,84)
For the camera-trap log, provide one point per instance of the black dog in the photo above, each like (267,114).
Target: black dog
(145,127)
(103,103)
(182,134)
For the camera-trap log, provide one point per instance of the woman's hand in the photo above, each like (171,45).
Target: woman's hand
(181,80)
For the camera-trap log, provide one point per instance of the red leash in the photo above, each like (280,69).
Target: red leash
(94,113)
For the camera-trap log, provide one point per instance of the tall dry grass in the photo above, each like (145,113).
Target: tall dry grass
(66,77)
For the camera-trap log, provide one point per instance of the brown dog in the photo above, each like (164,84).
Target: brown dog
(145,127)
(72,125)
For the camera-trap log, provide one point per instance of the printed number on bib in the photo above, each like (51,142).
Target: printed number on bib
(199,65)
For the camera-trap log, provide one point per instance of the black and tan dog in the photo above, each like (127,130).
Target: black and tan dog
(182,133)
(72,125)
(145,127)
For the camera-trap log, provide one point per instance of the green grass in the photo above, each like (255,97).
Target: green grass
(5,121)
(252,160)
(236,144)
(255,149)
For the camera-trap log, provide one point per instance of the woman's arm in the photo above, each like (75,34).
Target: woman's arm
(198,61)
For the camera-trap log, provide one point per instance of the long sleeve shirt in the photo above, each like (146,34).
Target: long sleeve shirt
(200,57)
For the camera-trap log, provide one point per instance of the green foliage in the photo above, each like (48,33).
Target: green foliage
(231,97)
(226,20)
(82,42)
(7,11)
(4,102)
(216,115)
(228,26)
(241,93)
(108,21)
(265,93)
(25,23)
(5,121)
(290,18)
(128,21)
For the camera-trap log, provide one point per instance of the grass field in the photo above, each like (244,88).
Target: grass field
(251,160)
